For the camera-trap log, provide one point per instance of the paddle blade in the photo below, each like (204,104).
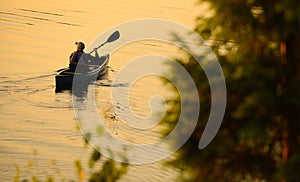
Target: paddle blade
(113,37)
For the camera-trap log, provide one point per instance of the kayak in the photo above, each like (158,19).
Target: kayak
(64,78)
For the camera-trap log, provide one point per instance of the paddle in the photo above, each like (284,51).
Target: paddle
(110,39)
(114,36)
(61,69)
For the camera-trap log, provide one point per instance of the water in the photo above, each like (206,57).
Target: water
(38,127)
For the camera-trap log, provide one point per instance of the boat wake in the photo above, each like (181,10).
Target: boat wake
(102,84)
(32,90)
(18,79)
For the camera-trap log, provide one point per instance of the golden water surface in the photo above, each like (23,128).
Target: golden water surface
(38,132)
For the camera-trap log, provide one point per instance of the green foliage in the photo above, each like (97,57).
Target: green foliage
(79,170)
(87,138)
(17,176)
(30,173)
(109,172)
(94,158)
(106,170)
(257,44)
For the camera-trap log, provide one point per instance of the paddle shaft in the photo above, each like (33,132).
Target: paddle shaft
(98,47)
(114,36)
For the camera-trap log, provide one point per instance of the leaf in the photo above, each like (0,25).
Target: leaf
(96,155)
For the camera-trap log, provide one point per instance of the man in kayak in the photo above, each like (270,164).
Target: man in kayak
(79,54)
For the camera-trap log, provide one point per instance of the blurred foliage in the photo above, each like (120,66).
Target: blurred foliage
(34,172)
(100,170)
(110,170)
(257,44)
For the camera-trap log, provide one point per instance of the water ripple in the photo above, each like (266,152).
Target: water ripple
(39,18)
(41,12)
(15,21)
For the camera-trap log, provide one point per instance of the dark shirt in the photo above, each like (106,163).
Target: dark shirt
(83,57)
(75,56)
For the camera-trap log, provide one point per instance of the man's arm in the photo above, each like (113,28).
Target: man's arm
(71,56)
(92,58)
(96,54)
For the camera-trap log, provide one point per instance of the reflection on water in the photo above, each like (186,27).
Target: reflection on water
(36,39)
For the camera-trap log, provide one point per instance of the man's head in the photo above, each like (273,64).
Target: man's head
(80,46)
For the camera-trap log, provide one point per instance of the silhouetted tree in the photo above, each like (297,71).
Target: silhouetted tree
(257,44)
